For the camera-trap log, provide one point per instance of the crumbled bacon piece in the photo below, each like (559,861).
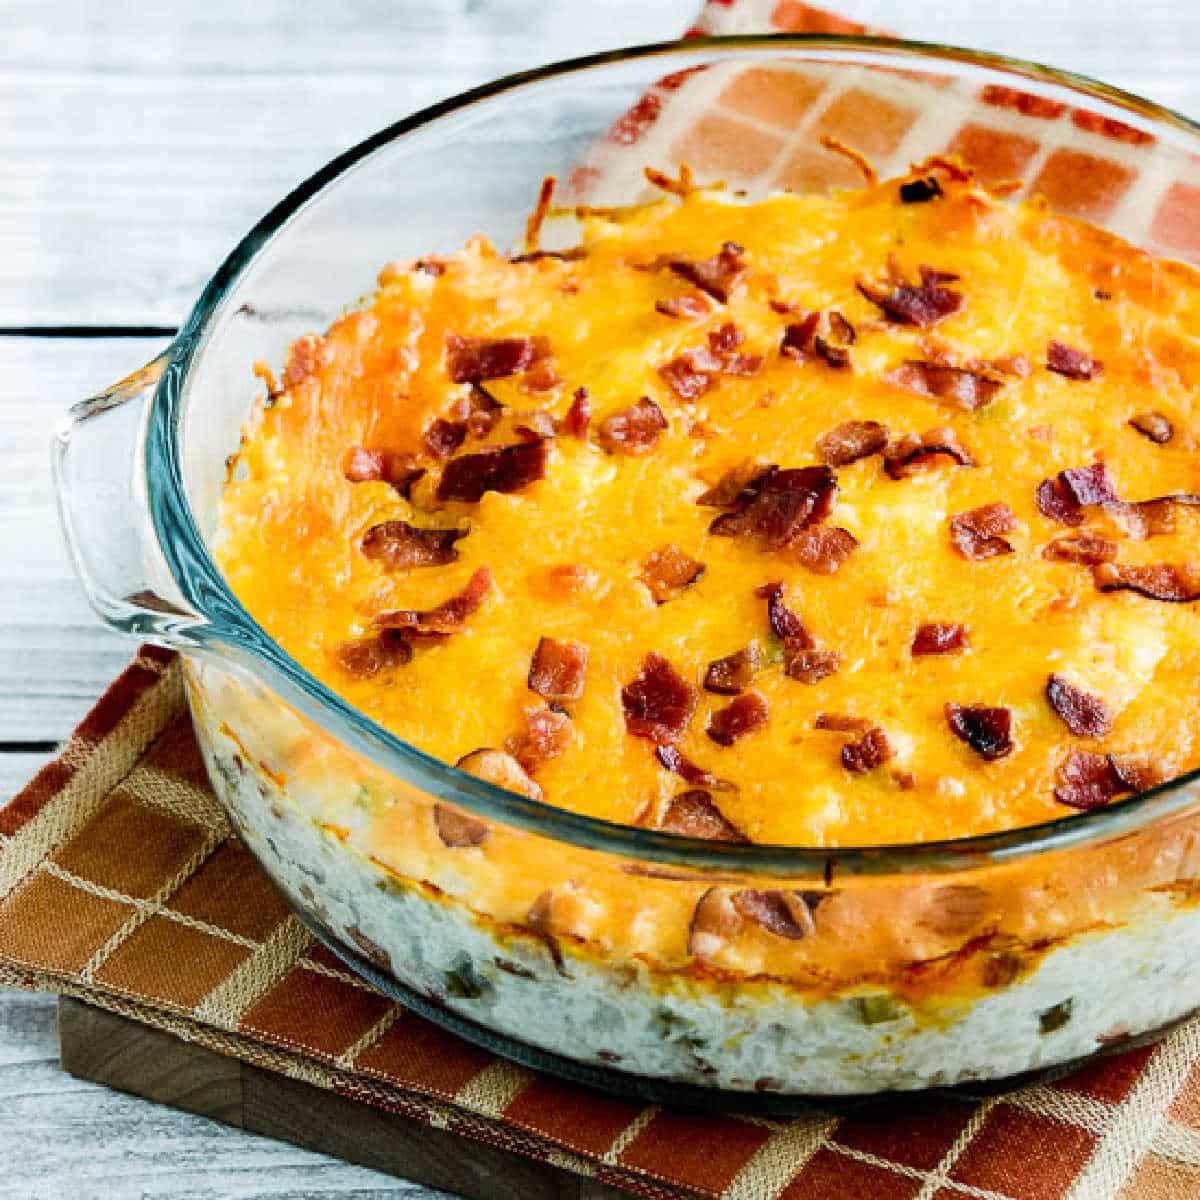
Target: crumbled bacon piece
(546,735)
(715,275)
(871,750)
(578,416)
(850,441)
(457,829)
(495,766)
(734,673)
(1154,426)
(693,814)
(367,466)
(447,617)
(367,657)
(964,389)
(558,670)
(541,375)
(1088,780)
(919,191)
(976,533)
(988,731)
(689,772)
(472,360)
(1061,499)
(1083,714)
(691,306)
(784,913)
(824,549)
(922,304)
(669,571)
(742,715)
(714,923)
(912,452)
(401,546)
(633,430)
(694,371)
(938,638)
(1178,583)
(777,505)
(442,437)
(1087,548)
(735,487)
(1074,364)
(497,469)
(429,266)
(827,336)
(659,703)
(803,659)
(483,412)
(841,723)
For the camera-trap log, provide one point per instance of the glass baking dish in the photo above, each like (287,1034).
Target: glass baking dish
(892,967)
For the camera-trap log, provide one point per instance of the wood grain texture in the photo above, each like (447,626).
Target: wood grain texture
(136,145)
(121,1054)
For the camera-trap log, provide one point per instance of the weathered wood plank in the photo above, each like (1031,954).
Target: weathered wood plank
(55,657)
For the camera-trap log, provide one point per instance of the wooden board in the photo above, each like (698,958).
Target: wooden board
(104,1048)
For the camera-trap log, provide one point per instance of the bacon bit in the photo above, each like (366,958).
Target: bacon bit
(693,814)
(937,638)
(542,376)
(1063,498)
(975,533)
(495,766)
(668,571)
(473,360)
(742,715)
(633,430)
(840,723)
(691,306)
(912,304)
(442,437)
(856,157)
(919,191)
(683,186)
(483,412)
(578,416)
(776,505)
(456,829)
(558,670)
(670,758)
(850,441)
(988,731)
(1178,583)
(540,920)
(498,469)
(870,751)
(1154,426)
(715,275)
(1090,780)
(968,390)
(1074,364)
(447,617)
(429,266)
(824,549)
(803,660)
(367,657)
(1083,714)
(723,344)
(533,226)
(546,735)
(827,336)
(714,923)
(785,914)
(734,673)
(401,546)
(735,487)
(308,354)
(685,377)
(913,451)
(658,703)
(367,466)
(1086,548)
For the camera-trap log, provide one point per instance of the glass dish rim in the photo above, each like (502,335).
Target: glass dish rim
(229,631)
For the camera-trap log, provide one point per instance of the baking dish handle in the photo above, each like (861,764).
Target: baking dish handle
(99,460)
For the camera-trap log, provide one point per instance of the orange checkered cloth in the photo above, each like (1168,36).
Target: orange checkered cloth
(121,882)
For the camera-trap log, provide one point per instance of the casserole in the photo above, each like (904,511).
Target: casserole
(927,964)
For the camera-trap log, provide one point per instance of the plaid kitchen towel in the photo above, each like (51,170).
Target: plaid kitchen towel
(121,883)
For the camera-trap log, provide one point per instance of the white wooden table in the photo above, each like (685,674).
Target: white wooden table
(137,142)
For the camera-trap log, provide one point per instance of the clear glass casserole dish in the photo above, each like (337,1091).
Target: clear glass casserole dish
(907,966)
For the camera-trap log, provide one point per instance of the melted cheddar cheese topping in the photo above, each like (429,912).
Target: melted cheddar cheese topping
(566,553)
